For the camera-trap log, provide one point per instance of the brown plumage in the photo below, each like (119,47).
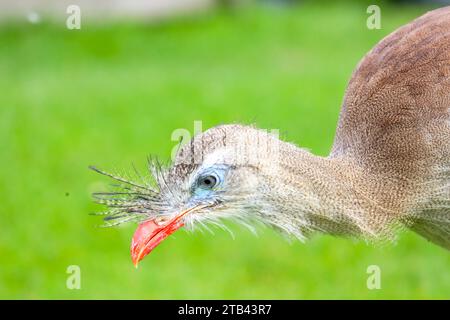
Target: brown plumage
(395,124)
(389,166)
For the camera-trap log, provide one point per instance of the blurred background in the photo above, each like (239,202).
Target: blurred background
(112,93)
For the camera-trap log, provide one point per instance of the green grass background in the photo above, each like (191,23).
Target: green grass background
(112,94)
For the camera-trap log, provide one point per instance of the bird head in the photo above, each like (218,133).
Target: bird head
(221,174)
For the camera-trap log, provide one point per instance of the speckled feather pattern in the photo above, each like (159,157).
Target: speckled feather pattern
(389,166)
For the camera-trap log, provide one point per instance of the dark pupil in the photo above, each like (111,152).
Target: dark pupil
(209,181)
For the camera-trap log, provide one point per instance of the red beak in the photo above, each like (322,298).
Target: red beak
(149,234)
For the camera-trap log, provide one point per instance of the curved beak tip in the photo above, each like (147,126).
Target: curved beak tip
(135,259)
(149,235)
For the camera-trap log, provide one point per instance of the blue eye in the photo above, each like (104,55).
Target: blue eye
(207,181)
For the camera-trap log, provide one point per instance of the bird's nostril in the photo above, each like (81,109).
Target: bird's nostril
(160,221)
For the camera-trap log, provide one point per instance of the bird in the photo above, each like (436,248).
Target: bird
(388,168)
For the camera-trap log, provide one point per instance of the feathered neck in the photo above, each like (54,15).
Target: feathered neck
(309,194)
